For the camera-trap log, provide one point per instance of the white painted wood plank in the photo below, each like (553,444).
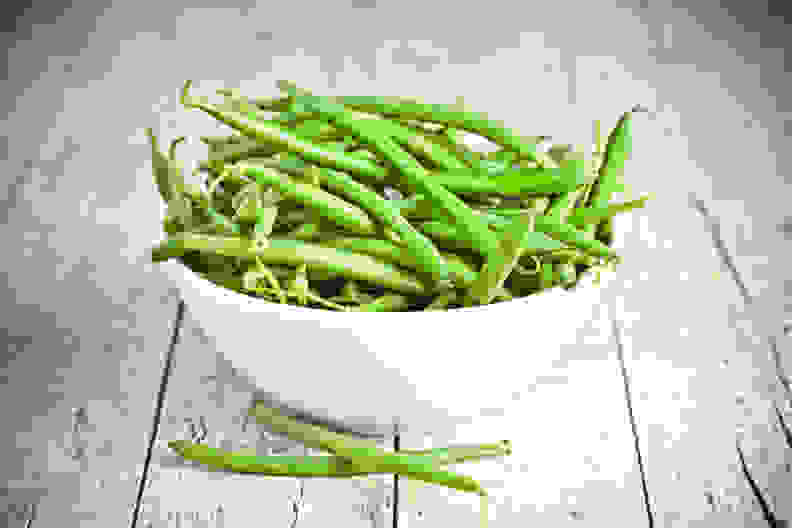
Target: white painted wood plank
(674,308)
(573,457)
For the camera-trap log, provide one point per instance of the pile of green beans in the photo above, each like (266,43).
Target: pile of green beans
(297,205)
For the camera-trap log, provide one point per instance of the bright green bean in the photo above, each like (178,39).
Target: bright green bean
(510,182)
(361,454)
(282,137)
(550,227)
(563,205)
(442,232)
(320,466)
(617,151)
(415,175)
(168,173)
(329,206)
(383,249)
(443,114)
(500,264)
(568,234)
(421,144)
(295,253)
(424,251)
(594,215)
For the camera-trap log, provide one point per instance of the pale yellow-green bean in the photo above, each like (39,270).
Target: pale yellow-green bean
(295,253)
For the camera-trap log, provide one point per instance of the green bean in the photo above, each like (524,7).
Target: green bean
(570,235)
(551,228)
(605,231)
(442,232)
(233,152)
(566,272)
(423,250)
(594,215)
(617,151)
(307,232)
(510,182)
(572,256)
(537,205)
(281,137)
(295,253)
(386,303)
(421,144)
(500,264)
(350,293)
(303,296)
(383,249)
(168,175)
(263,103)
(261,271)
(332,208)
(443,114)
(213,141)
(361,454)
(470,226)
(317,466)
(471,158)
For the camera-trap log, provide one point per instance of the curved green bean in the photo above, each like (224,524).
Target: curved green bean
(295,253)
(509,182)
(463,274)
(330,207)
(282,137)
(535,242)
(415,175)
(443,114)
(364,455)
(582,217)
(424,251)
(617,150)
(322,465)
(499,265)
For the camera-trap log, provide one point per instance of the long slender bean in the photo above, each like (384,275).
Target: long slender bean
(295,253)
(617,151)
(443,114)
(361,454)
(510,182)
(415,175)
(322,465)
(283,138)
(332,208)
(423,250)
(499,265)
(594,215)
(463,274)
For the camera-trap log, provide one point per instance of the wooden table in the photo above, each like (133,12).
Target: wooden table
(667,410)
(663,413)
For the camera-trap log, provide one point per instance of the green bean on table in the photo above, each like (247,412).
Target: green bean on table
(363,455)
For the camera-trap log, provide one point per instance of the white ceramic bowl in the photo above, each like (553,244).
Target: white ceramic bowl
(376,373)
